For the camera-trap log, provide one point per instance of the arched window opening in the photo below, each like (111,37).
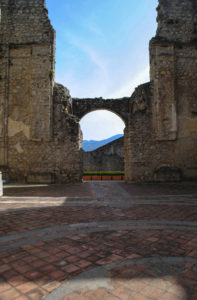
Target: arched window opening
(103,143)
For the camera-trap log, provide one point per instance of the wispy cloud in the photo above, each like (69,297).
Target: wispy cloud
(128,87)
(95,57)
(93,78)
(93,27)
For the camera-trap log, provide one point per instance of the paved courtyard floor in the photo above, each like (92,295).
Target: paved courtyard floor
(99,241)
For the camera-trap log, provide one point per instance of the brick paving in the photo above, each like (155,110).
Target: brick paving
(102,240)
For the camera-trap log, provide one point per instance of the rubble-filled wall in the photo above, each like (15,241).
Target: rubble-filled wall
(163,138)
(109,157)
(173,62)
(54,160)
(36,131)
(119,106)
(139,145)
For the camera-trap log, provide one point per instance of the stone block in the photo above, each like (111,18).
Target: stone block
(40,178)
(168,174)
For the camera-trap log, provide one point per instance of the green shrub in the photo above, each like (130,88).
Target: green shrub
(51,74)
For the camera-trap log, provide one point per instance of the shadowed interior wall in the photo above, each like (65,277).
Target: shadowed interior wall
(109,157)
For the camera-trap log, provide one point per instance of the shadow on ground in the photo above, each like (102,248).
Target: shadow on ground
(84,189)
(145,249)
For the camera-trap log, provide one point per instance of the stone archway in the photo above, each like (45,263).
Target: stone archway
(120,107)
(109,155)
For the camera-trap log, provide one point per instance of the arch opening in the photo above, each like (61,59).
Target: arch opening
(105,113)
(103,144)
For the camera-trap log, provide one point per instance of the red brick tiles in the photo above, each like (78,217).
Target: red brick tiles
(37,269)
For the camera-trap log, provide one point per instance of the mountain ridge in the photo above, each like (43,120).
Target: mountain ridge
(90,145)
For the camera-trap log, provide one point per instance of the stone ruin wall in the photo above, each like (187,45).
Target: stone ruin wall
(173,65)
(147,158)
(40,138)
(109,157)
(163,138)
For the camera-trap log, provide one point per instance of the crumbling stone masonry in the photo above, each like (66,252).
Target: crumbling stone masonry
(40,136)
(173,71)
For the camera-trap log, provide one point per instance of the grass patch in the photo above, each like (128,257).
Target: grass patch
(103,173)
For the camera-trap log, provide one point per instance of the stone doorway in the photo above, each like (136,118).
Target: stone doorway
(103,145)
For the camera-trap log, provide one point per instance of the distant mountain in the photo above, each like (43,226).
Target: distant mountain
(92,145)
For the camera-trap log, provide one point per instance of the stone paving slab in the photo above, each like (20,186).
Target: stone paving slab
(10,221)
(54,248)
(89,189)
(144,278)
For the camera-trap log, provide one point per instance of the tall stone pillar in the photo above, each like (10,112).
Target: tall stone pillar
(171,53)
(27,45)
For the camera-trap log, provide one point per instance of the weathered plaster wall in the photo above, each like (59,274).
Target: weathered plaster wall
(139,140)
(109,157)
(173,61)
(55,160)
(39,138)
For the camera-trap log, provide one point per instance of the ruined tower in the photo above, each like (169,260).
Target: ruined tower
(28,134)
(173,69)
(26,69)
(174,66)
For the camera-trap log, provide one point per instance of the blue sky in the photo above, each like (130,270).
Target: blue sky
(102,51)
